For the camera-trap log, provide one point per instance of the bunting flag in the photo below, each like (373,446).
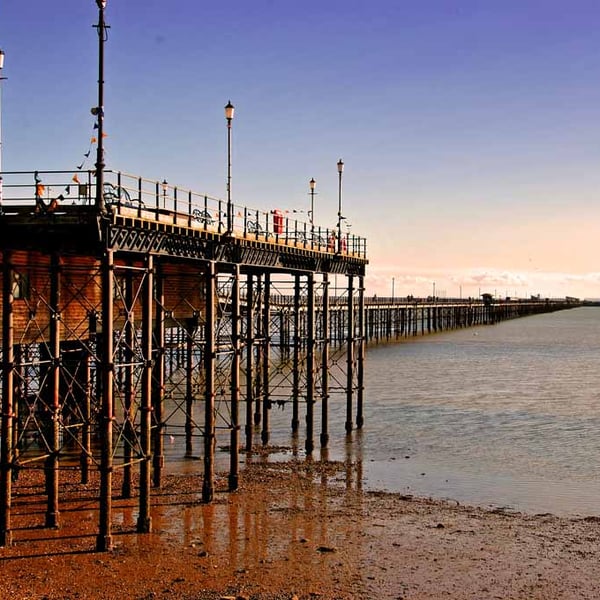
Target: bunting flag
(75,178)
(93,140)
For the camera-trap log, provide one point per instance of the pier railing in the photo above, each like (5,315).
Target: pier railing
(131,195)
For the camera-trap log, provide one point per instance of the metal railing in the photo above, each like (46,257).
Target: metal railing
(131,195)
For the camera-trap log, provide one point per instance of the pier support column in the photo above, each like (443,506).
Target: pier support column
(360,388)
(266,356)
(209,399)
(158,378)
(190,330)
(234,445)
(310,364)
(144,522)
(85,456)
(104,538)
(249,359)
(51,466)
(350,355)
(6,437)
(259,337)
(296,358)
(324,438)
(129,391)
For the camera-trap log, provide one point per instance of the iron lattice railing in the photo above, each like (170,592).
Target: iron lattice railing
(131,195)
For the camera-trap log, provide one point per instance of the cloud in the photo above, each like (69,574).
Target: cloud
(471,282)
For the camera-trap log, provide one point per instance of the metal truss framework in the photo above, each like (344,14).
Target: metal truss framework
(105,361)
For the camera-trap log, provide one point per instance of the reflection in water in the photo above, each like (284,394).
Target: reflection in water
(252,529)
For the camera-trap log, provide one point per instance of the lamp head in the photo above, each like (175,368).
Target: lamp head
(229,110)
(101,4)
(312,183)
(340,166)
(1,59)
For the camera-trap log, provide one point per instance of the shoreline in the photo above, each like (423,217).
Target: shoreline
(295,529)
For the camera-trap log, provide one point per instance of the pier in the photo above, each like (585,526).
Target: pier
(148,313)
(148,316)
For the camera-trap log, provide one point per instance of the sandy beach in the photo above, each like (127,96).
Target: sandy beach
(294,530)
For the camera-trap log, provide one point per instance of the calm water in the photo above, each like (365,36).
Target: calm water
(505,415)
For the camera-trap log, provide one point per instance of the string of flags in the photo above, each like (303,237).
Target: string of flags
(40,188)
(86,155)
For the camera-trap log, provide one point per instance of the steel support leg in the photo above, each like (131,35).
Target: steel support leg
(296,359)
(86,429)
(235,381)
(266,355)
(249,359)
(325,366)
(6,437)
(144,522)
(209,399)
(190,329)
(158,378)
(350,355)
(360,388)
(104,539)
(259,351)
(51,467)
(310,365)
(129,391)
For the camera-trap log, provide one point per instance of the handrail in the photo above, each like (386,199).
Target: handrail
(133,195)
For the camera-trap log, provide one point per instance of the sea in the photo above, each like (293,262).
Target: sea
(503,416)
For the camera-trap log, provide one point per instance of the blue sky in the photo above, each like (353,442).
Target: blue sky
(469,129)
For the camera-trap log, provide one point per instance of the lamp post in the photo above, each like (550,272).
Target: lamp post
(1,80)
(229,110)
(340,168)
(393,284)
(98,110)
(311,184)
(165,187)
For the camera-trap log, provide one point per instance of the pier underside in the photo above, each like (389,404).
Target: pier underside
(124,335)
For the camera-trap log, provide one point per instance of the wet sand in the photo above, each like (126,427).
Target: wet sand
(295,529)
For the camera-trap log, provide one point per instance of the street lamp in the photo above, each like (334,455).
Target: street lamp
(98,110)
(340,168)
(393,284)
(1,80)
(165,187)
(311,184)
(229,110)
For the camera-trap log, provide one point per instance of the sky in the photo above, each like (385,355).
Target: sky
(469,129)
